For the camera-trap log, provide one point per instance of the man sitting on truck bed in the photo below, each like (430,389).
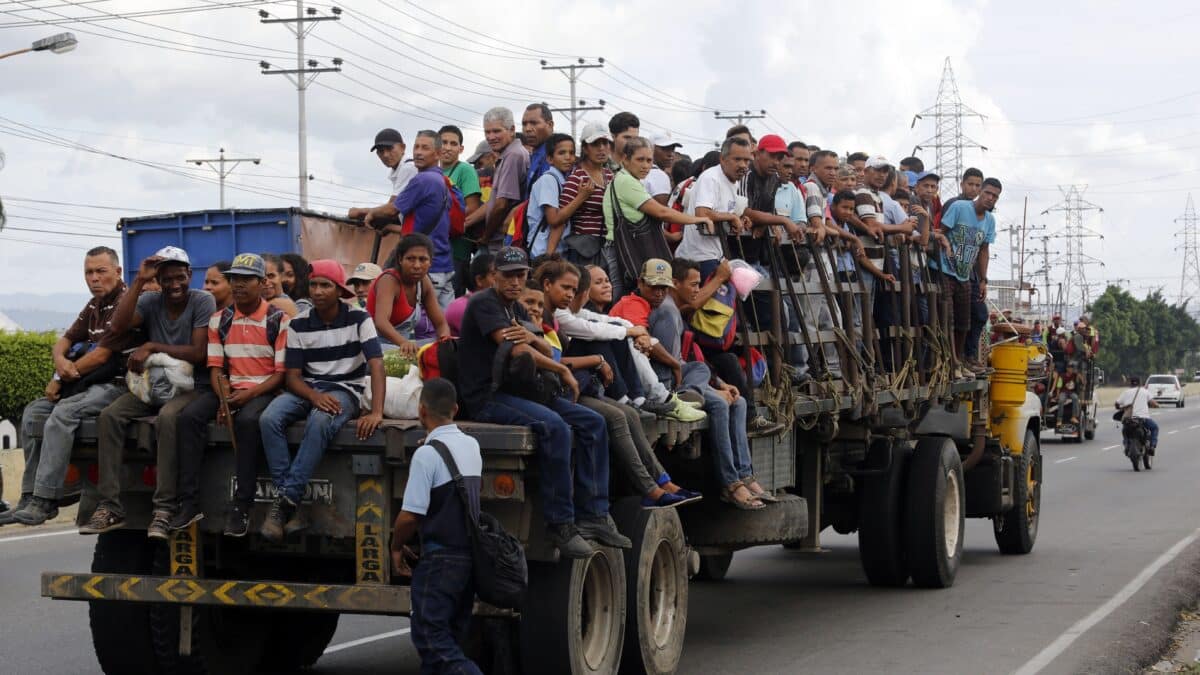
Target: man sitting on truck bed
(88,375)
(443,593)
(176,324)
(567,432)
(329,351)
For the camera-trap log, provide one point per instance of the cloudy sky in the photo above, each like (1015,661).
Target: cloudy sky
(1098,93)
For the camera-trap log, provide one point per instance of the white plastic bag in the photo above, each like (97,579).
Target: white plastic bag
(162,379)
(401,397)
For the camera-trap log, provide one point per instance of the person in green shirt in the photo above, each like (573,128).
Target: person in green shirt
(463,177)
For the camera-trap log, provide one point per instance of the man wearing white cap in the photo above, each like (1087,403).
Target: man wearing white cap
(658,181)
(360,280)
(175,321)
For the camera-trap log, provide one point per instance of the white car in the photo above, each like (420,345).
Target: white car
(1165,389)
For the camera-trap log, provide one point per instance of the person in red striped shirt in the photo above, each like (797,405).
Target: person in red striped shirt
(246,345)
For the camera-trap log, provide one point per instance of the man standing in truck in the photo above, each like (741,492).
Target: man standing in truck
(389,147)
(176,324)
(425,202)
(88,375)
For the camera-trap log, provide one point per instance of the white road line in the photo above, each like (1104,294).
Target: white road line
(367,640)
(1194,426)
(37,536)
(1060,645)
(1067,459)
(1111,447)
(1174,431)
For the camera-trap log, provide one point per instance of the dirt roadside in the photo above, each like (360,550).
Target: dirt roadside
(12,464)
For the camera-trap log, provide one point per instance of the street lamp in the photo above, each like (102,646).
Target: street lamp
(58,44)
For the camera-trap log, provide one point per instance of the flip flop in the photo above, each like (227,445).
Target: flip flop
(728,495)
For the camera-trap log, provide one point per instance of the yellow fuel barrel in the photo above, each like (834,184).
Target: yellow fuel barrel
(1011,362)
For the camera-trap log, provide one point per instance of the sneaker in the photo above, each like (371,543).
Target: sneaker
(272,527)
(36,512)
(670,500)
(683,412)
(6,515)
(298,522)
(761,426)
(565,537)
(103,519)
(603,531)
(160,525)
(237,522)
(691,398)
(661,409)
(186,516)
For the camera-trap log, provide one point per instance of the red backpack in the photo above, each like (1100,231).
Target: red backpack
(456,206)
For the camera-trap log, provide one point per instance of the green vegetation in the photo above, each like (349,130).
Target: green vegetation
(25,368)
(1140,337)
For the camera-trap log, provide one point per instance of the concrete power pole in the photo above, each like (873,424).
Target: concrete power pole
(219,164)
(1189,281)
(741,117)
(302,76)
(948,140)
(1075,283)
(572,72)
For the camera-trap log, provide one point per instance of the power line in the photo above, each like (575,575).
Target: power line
(218,165)
(1189,279)
(69,234)
(55,244)
(1074,233)
(83,206)
(153,12)
(573,71)
(948,140)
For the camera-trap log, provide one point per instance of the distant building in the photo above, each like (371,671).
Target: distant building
(8,435)
(7,324)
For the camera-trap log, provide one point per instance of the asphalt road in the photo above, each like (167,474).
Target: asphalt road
(1117,555)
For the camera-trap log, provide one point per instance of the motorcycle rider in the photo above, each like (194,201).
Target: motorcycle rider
(1137,397)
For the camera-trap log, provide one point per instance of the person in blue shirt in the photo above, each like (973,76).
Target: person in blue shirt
(537,125)
(970,228)
(547,224)
(442,589)
(427,200)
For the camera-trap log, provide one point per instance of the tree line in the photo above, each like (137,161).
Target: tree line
(1142,337)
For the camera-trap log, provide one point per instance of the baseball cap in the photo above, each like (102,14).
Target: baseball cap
(1061,331)
(772,143)
(927,174)
(911,177)
(387,138)
(664,140)
(878,162)
(657,272)
(595,131)
(172,254)
(365,272)
(331,270)
(248,264)
(480,150)
(511,259)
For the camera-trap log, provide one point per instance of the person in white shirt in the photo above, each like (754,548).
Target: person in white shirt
(658,181)
(389,147)
(1139,400)
(716,199)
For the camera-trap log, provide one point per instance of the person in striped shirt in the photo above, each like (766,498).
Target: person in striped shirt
(330,349)
(246,344)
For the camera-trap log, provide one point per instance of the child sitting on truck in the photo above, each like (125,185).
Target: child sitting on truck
(329,351)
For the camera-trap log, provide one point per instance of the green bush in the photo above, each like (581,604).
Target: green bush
(25,368)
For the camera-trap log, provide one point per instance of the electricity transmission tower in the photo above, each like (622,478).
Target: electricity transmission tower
(1189,282)
(302,76)
(948,140)
(1076,292)
(573,72)
(219,165)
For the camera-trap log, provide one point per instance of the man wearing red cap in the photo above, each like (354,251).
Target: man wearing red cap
(330,348)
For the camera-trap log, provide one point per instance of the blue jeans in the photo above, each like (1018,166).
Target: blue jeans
(1153,427)
(47,458)
(442,597)
(727,433)
(291,476)
(556,427)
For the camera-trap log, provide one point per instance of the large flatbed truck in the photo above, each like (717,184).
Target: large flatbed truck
(902,458)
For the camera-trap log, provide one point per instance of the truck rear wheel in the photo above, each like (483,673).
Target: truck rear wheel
(713,567)
(121,630)
(881,517)
(935,513)
(297,640)
(1016,531)
(573,620)
(657,597)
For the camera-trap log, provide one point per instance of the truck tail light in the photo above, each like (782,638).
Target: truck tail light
(93,473)
(72,474)
(504,485)
(150,475)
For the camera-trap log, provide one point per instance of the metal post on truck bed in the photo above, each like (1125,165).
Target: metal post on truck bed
(372,562)
(184,547)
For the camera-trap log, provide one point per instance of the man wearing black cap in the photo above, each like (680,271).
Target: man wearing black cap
(389,147)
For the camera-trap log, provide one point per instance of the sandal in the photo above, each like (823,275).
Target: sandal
(729,495)
(761,494)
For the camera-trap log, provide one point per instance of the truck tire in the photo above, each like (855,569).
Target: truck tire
(296,640)
(935,513)
(1016,531)
(881,518)
(713,567)
(657,597)
(121,630)
(573,618)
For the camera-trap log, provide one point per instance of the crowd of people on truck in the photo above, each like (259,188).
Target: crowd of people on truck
(587,284)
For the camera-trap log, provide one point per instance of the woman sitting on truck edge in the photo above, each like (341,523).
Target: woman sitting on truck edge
(403,300)
(293,277)
(272,288)
(216,283)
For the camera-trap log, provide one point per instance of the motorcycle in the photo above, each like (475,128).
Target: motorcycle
(1137,443)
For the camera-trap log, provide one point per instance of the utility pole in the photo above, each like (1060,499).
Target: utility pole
(218,165)
(948,140)
(741,117)
(572,72)
(1074,233)
(302,75)
(1189,281)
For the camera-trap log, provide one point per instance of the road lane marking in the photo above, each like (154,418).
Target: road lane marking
(37,536)
(1060,645)
(367,640)
(1195,426)
(1111,447)
(1067,459)
(1175,431)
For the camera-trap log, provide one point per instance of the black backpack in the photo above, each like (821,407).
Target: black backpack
(498,564)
